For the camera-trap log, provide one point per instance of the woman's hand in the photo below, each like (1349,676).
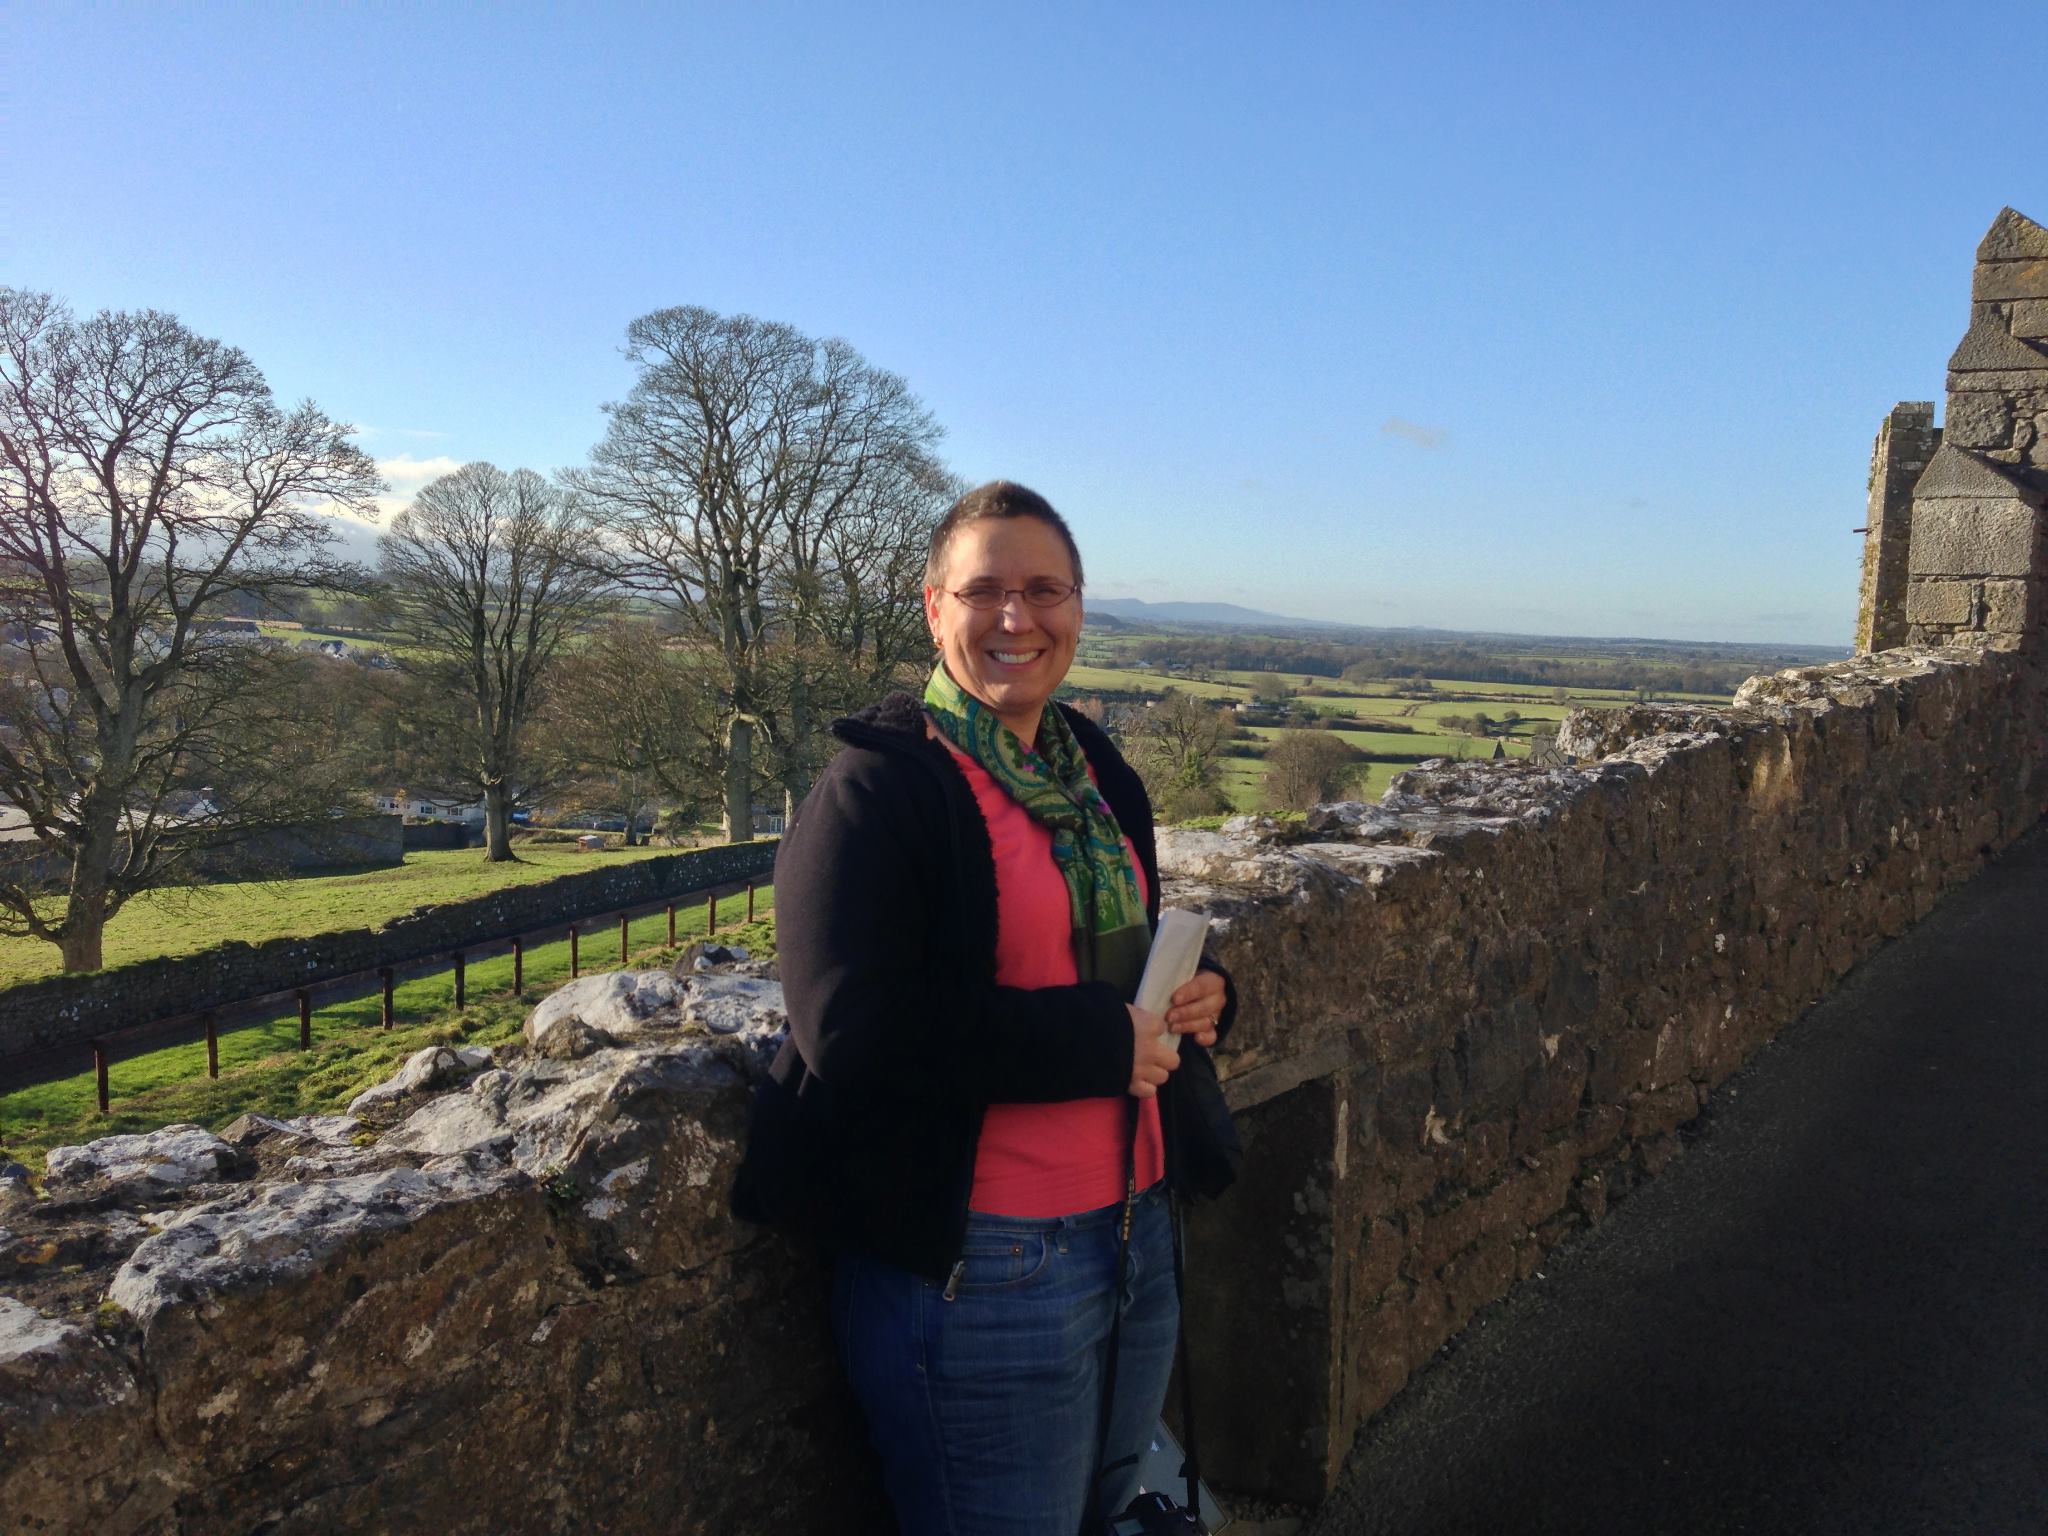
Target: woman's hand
(1195,1008)
(1151,1057)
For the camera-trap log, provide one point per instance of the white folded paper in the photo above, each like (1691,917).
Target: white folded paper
(1176,951)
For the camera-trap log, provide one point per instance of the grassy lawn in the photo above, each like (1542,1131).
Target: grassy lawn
(184,919)
(262,1069)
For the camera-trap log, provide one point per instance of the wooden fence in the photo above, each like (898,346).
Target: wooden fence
(210,1023)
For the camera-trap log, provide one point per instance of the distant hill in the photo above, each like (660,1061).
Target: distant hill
(1196,613)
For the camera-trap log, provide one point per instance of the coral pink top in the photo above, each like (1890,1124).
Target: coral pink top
(1046,1159)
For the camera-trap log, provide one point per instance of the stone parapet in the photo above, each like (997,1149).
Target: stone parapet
(1529,982)
(1474,1015)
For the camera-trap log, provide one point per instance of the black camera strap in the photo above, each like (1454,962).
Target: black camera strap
(1191,1460)
(1191,1465)
(1091,1519)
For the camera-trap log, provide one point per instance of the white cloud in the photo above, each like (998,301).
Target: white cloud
(405,474)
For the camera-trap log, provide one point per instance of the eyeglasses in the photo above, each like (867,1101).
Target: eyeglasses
(987,596)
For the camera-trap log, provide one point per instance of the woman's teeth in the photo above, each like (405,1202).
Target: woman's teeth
(1014,658)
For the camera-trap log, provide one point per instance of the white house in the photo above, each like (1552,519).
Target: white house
(423,808)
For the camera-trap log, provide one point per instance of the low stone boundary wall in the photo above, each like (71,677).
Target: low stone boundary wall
(63,1010)
(1480,1012)
(1474,1015)
(442,834)
(346,842)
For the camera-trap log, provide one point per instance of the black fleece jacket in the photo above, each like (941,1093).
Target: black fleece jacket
(885,893)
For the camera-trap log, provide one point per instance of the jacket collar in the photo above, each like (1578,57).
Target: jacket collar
(897,719)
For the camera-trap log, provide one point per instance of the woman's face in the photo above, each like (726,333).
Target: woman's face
(1013,657)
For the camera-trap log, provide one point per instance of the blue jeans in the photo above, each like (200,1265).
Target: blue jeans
(986,1407)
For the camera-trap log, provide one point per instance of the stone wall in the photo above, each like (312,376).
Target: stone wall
(1905,443)
(1480,1012)
(346,842)
(442,834)
(1474,1015)
(62,1010)
(1978,563)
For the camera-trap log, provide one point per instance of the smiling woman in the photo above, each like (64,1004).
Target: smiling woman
(969,1104)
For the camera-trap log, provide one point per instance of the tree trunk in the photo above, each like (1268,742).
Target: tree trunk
(497,833)
(739,781)
(83,932)
(85,910)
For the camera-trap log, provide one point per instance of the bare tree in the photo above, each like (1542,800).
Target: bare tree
(147,480)
(852,579)
(732,478)
(1306,768)
(489,576)
(1176,744)
(628,714)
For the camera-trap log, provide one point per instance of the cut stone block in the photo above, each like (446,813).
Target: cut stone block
(1990,346)
(1958,472)
(2030,318)
(2009,606)
(2013,237)
(2010,380)
(1973,538)
(2010,280)
(1940,602)
(1978,418)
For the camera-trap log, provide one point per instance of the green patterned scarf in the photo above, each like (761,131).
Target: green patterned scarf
(1111,937)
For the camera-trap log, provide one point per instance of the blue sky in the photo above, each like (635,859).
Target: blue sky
(1560,319)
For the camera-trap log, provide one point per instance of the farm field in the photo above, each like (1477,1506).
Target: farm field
(1372,717)
(262,1069)
(292,634)
(1416,744)
(184,919)
(1513,693)
(1334,695)
(1129,680)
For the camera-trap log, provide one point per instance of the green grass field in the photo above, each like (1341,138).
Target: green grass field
(185,919)
(263,1070)
(1130,680)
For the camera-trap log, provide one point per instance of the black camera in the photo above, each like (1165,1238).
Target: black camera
(1154,1514)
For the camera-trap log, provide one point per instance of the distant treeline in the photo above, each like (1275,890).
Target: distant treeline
(1673,671)
(1470,664)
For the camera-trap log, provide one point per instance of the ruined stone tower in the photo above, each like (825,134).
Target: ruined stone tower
(1965,557)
